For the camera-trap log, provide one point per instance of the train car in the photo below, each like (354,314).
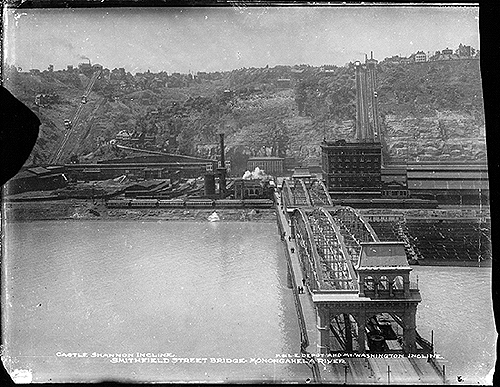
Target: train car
(144,203)
(258,203)
(171,203)
(118,203)
(200,203)
(228,203)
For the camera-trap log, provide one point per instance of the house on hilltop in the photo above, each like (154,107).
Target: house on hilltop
(420,56)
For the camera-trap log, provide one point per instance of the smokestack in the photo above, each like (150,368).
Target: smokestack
(222,169)
(222,160)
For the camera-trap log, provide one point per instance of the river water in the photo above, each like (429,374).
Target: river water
(193,297)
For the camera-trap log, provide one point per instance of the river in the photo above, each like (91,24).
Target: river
(184,301)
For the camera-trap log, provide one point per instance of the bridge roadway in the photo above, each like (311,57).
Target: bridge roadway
(362,370)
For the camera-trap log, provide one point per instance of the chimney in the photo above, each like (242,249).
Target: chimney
(222,169)
(222,160)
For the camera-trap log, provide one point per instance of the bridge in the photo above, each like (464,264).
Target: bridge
(361,301)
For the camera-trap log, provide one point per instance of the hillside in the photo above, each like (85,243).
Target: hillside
(429,111)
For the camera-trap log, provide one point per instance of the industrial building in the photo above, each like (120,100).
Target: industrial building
(271,165)
(449,183)
(248,189)
(141,167)
(37,179)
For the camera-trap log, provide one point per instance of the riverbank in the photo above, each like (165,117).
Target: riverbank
(82,209)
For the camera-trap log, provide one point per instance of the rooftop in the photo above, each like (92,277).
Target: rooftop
(382,255)
(301,172)
(343,143)
(264,158)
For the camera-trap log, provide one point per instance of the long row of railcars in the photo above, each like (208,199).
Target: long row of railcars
(189,203)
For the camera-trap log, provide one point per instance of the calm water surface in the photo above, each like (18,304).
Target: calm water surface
(192,290)
(457,305)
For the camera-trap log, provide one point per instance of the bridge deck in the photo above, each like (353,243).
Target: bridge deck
(308,308)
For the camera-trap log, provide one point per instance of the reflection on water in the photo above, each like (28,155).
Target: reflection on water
(195,291)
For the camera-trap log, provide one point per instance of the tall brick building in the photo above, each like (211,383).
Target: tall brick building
(352,167)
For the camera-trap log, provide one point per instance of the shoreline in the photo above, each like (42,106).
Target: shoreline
(86,209)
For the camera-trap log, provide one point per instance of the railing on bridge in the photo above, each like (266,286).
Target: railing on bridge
(287,194)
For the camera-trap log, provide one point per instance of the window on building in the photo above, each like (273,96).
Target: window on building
(383,283)
(369,283)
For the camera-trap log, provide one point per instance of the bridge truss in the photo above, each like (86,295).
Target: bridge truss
(323,255)
(354,228)
(296,193)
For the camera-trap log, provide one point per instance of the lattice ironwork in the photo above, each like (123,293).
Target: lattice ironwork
(300,196)
(308,256)
(334,261)
(319,194)
(296,194)
(354,228)
(287,194)
(329,243)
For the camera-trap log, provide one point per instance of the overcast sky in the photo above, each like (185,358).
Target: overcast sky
(211,39)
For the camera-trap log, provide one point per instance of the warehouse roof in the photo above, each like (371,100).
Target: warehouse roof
(448,175)
(448,185)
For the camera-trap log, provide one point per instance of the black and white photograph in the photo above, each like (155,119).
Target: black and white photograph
(245,193)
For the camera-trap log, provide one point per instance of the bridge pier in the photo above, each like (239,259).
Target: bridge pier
(323,325)
(409,330)
(348,332)
(361,331)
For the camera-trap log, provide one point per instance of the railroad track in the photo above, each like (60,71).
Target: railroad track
(75,121)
